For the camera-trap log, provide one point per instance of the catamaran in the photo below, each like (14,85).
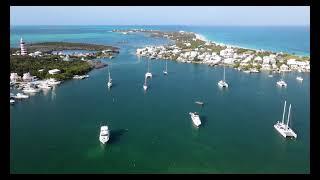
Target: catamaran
(282,83)
(110,80)
(165,72)
(148,74)
(145,87)
(195,118)
(283,128)
(104,134)
(223,83)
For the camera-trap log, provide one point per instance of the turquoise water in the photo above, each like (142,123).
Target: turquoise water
(152,132)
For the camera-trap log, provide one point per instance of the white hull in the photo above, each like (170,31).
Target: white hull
(222,84)
(145,87)
(285,131)
(30,90)
(109,84)
(104,134)
(282,84)
(165,72)
(195,119)
(299,78)
(12,101)
(148,75)
(21,96)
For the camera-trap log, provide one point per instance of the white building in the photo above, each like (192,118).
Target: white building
(54,71)
(284,67)
(27,77)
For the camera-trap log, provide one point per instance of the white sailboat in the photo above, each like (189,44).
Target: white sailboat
(282,83)
(223,83)
(165,72)
(145,87)
(109,80)
(283,128)
(148,74)
(104,134)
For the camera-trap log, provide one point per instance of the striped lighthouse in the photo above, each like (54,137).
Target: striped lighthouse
(23,48)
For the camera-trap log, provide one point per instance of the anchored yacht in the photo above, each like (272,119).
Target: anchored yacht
(223,83)
(148,74)
(195,118)
(283,128)
(282,83)
(104,134)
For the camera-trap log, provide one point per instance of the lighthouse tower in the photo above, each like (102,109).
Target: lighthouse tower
(23,48)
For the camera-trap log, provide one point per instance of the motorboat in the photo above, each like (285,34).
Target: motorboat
(145,87)
(195,118)
(44,86)
(12,101)
(53,81)
(148,74)
(165,72)
(109,79)
(104,134)
(281,83)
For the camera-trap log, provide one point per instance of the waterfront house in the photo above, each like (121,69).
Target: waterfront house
(14,77)
(27,77)
(54,71)
(284,67)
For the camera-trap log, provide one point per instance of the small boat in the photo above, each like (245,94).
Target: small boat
(223,83)
(165,72)
(299,78)
(195,118)
(281,83)
(145,87)
(283,128)
(199,102)
(104,134)
(12,101)
(270,75)
(21,96)
(247,71)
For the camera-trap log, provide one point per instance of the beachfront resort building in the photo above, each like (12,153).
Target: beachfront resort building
(23,48)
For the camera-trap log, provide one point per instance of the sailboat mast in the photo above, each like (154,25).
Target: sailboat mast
(166,66)
(288,116)
(224,73)
(284,111)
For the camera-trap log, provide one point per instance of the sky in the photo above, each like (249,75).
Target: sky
(161,15)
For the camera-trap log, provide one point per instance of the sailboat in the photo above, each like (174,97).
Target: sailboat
(223,83)
(145,87)
(148,74)
(281,83)
(283,128)
(165,72)
(109,80)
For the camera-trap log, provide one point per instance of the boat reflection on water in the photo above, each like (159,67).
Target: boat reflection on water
(53,93)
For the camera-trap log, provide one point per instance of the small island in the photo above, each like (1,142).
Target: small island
(189,47)
(46,56)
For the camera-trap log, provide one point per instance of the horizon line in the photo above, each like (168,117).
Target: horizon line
(154,25)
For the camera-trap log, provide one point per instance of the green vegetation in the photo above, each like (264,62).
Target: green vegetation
(24,64)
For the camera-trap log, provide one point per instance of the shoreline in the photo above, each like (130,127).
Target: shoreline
(190,47)
(203,38)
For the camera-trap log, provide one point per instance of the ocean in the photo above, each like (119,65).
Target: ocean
(152,132)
